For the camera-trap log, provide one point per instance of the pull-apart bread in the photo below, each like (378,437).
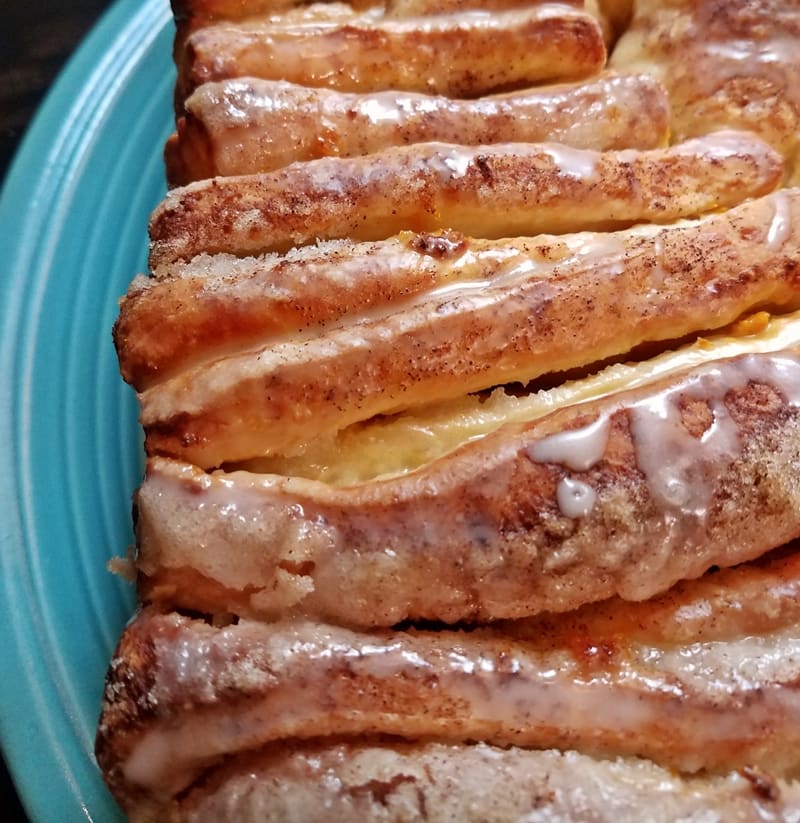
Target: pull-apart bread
(725,63)
(469,373)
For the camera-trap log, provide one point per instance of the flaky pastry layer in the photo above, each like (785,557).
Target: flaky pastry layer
(488,191)
(622,495)
(230,127)
(419,319)
(665,679)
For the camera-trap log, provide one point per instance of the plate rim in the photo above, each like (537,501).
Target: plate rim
(39,176)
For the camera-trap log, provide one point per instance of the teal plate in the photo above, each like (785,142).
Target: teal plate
(73,217)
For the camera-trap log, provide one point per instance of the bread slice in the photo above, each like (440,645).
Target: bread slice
(487,191)
(507,525)
(460,55)
(294,349)
(229,127)
(666,679)
(725,65)
(439,783)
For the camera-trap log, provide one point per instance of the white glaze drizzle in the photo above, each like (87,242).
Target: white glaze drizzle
(453,162)
(772,55)
(780,228)
(599,246)
(577,449)
(514,687)
(678,467)
(719,144)
(383,108)
(450,162)
(681,469)
(658,274)
(575,498)
(580,163)
(459,162)
(780,370)
(672,459)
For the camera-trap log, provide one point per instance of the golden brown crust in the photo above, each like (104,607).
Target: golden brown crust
(462,55)
(229,127)
(491,191)
(222,304)
(195,15)
(439,783)
(754,599)
(584,685)
(490,522)
(127,701)
(189,153)
(526,308)
(532,526)
(191,15)
(725,65)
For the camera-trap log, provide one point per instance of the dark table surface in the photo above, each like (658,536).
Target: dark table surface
(36,38)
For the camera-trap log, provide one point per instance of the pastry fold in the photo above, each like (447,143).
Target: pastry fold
(460,55)
(440,783)
(725,65)
(248,125)
(621,495)
(665,679)
(287,350)
(486,191)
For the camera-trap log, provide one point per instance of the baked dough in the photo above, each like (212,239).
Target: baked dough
(667,679)
(508,525)
(525,308)
(503,190)
(461,55)
(725,64)
(474,784)
(402,493)
(249,125)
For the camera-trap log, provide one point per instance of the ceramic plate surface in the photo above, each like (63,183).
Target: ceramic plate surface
(73,217)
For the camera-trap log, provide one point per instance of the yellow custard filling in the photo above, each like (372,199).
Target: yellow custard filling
(388,446)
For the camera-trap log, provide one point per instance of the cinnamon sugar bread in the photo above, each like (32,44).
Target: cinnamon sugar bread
(469,370)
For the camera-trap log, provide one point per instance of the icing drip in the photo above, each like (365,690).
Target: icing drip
(658,275)
(575,498)
(578,163)
(680,468)
(670,457)
(780,228)
(577,449)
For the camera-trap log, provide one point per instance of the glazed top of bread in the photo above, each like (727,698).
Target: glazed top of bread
(622,495)
(229,127)
(665,678)
(724,64)
(422,319)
